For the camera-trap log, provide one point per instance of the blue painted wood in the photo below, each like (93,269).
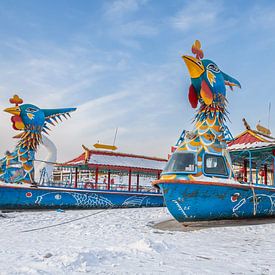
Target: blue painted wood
(70,198)
(206,201)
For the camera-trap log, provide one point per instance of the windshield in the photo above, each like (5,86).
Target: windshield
(215,165)
(181,162)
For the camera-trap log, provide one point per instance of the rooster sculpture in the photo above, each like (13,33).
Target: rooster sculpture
(208,87)
(18,166)
(207,80)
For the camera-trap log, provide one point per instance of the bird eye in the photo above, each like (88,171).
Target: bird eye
(31,110)
(199,63)
(212,67)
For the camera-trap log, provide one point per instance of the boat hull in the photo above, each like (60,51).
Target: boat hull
(22,197)
(195,201)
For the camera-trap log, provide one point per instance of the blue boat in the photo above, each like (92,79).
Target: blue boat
(199,181)
(46,197)
(202,200)
(20,190)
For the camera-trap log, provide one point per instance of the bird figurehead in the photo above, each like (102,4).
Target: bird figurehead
(208,81)
(27,116)
(33,121)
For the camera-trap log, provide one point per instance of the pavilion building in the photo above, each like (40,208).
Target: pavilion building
(253,155)
(109,170)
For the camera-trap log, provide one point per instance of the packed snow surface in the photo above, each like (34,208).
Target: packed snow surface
(122,241)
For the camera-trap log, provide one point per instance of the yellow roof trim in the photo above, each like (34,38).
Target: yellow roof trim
(256,136)
(251,132)
(241,134)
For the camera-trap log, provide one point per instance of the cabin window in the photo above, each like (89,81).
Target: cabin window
(215,165)
(181,162)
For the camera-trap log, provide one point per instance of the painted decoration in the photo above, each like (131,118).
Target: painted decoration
(18,166)
(208,87)
(23,197)
(198,182)
(202,200)
(207,80)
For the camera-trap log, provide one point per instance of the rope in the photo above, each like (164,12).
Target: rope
(49,162)
(66,222)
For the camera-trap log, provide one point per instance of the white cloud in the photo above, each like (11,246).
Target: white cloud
(197,14)
(121,8)
(122,24)
(137,28)
(107,92)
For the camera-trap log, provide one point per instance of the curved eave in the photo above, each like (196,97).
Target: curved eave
(256,149)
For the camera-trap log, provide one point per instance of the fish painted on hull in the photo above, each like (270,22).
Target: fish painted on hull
(88,200)
(190,201)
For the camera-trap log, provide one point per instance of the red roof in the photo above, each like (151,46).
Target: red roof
(247,137)
(250,139)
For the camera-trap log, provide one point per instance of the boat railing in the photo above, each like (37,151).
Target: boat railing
(102,186)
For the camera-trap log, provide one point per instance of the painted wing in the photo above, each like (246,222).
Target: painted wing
(230,81)
(192,96)
(206,93)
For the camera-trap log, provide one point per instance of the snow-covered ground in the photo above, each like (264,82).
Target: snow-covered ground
(120,241)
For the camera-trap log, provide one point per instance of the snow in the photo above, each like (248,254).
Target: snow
(122,241)
(255,145)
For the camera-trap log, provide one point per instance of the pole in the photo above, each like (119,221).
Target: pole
(268,119)
(245,170)
(257,171)
(130,180)
(115,137)
(265,174)
(137,182)
(109,180)
(75,177)
(250,167)
(71,177)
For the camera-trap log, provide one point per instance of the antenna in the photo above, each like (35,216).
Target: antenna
(269,109)
(107,146)
(115,136)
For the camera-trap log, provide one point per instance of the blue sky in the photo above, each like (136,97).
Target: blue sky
(119,62)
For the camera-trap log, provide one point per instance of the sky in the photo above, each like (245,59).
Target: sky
(119,62)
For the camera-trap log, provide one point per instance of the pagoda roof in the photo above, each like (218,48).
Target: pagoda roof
(250,140)
(117,161)
(252,144)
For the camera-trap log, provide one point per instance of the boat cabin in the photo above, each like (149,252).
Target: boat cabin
(249,157)
(187,163)
(108,170)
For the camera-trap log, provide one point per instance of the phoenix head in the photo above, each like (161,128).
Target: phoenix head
(33,120)
(208,81)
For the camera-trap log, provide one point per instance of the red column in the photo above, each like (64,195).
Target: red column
(75,177)
(130,180)
(272,173)
(265,174)
(137,182)
(245,170)
(109,180)
(96,177)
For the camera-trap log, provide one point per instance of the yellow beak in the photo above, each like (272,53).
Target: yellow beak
(13,110)
(194,66)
